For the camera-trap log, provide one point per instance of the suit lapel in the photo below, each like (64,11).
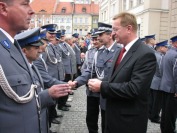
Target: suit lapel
(125,59)
(113,64)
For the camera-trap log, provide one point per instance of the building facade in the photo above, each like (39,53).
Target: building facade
(152,15)
(172,18)
(75,16)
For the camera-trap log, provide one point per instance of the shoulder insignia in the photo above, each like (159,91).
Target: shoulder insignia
(6,44)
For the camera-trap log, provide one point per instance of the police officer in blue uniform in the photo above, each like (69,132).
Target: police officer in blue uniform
(77,51)
(169,88)
(150,41)
(103,59)
(53,60)
(30,43)
(48,79)
(155,104)
(143,39)
(93,99)
(19,112)
(68,58)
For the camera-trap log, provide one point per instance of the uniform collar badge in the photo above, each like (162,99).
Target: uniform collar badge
(6,44)
(112,50)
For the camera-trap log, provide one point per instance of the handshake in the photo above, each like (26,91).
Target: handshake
(72,84)
(93,84)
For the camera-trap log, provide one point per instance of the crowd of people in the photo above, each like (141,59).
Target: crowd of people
(128,79)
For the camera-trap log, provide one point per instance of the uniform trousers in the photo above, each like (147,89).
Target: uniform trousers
(155,104)
(62,101)
(103,120)
(52,113)
(92,115)
(169,113)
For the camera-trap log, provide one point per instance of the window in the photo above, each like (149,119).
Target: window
(84,10)
(80,31)
(63,10)
(39,20)
(68,20)
(87,1)
(56,20)
(42,10)
(81,1)
(67,29)
(75,20)
(80,20)
(131,3)
(124,4)
(75,30)
(95,20)
(86,20)
(104,15)
(47,20)
(113,9)
(62,20)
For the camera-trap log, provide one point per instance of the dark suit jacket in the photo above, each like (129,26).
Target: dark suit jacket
(127,91)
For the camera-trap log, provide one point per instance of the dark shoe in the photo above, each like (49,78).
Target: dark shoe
(156,121)
(55,121)
(64,108)
(58,116)
(52,132)
(67,105)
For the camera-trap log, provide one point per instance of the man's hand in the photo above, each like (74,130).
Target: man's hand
(94,85)
(59,90)
(72,84)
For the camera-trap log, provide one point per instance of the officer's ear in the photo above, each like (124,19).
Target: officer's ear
(3,8)
(24,51)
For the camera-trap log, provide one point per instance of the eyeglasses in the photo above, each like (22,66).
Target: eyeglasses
(115,29)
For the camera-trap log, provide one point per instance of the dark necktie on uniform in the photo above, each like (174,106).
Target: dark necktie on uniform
(120,57)
(65,46)
(107,51)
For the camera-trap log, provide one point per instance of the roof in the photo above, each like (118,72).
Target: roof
(64,5)
(95,9)
(47,6)
(90,8)
(54,7)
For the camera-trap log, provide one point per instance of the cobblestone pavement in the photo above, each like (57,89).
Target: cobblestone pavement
(74,119)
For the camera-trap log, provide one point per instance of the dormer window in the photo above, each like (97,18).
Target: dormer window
(83,9)
(63,10)
(42,10)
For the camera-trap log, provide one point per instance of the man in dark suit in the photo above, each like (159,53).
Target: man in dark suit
(129,81)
